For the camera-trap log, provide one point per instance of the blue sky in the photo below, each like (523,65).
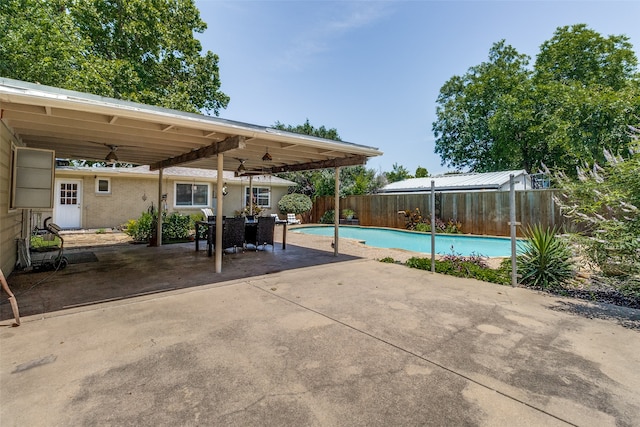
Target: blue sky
(373,69)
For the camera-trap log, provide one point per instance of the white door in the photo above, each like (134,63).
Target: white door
(68,203)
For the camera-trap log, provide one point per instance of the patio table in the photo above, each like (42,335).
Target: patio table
(250,229)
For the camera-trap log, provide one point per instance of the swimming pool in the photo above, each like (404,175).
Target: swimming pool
(417,242)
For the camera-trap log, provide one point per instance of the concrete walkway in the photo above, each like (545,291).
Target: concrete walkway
(357,342)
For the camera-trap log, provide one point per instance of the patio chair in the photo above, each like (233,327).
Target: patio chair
(264,233)
(208,213)
(291,219)
(233,233)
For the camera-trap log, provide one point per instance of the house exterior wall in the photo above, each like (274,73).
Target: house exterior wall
(11,220)
(130,196)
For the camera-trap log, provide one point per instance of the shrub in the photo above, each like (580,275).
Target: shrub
(328,217)
(175,226)
(347,213)
(295,203)
(605,201)
(141,229)
(546,259)
(388,260)
(472,266)
(423,226)
(415,221)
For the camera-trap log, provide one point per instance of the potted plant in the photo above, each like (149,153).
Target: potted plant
(348,214)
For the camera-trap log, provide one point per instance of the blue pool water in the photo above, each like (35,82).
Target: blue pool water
(418,242)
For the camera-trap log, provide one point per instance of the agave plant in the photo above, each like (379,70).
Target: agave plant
(545,261)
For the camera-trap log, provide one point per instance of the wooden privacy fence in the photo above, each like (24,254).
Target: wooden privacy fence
(482,212)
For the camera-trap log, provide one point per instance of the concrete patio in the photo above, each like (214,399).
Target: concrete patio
(299,337)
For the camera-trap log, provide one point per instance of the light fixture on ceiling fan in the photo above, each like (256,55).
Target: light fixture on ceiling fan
(112,157)
(241,168)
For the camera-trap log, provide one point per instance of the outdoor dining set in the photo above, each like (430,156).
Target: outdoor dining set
(241,232)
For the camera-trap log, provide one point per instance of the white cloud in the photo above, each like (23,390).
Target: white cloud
(343,19)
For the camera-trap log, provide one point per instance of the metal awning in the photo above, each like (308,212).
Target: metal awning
(82,126)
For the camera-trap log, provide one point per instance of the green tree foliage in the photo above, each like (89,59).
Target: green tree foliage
(398,173)
(576,100)
(138,50)
(315,183)
(421,172)
(601,61)
(466,105)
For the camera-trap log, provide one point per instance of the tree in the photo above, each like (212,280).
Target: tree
(421,172)
(503,115)
(466,136)
(398,173)
(587,89)
(577,54)
(138,50)
(316,183)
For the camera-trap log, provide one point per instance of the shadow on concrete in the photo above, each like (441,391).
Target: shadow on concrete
(623,316)
(127,270)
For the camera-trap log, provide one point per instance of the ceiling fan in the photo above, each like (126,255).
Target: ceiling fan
(241,168)
(112,157)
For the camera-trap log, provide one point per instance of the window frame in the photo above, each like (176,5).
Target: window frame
(256,189)
(103,178)
(193,204)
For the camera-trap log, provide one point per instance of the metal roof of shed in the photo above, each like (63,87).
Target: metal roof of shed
(464,181)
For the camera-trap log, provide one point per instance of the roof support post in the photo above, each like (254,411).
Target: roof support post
(158,241)
(219,222)
(250,194)
(336,213)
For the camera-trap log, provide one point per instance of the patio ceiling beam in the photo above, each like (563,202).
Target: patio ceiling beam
(322,164)
(231,143)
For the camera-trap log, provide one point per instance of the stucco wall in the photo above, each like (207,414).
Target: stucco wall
(10,220)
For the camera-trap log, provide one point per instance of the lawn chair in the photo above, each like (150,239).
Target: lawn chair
(291,219)
(208,213)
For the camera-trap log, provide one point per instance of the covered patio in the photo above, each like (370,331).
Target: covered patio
(103,269)
(82,126)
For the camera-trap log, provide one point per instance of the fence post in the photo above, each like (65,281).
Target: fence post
(512,226)
(433,226)
(336,212)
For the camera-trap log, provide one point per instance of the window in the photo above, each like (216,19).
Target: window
(192,194)
(103,185)
(68,193)
(261,196)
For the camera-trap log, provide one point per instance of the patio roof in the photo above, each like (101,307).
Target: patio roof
(82,126)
